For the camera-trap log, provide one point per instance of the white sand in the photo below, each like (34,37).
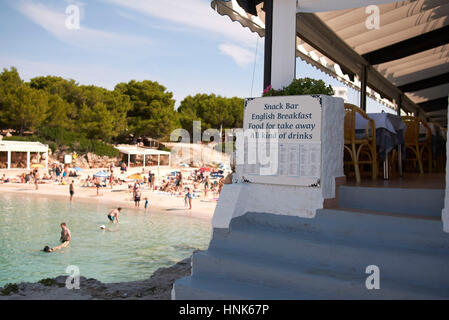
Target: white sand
(119,195)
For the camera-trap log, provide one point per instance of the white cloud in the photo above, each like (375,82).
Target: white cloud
(53,21)
(241,56)
(195,14)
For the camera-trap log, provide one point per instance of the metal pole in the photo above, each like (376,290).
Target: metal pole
(400,145)
(363,79)
(268,7)
(9,159)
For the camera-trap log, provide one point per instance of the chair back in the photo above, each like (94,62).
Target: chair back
(413,123)
(350,118)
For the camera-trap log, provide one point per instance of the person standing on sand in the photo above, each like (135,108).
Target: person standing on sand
(113,214)
(36,178)
(189,197)
(71,190)
(146,203)
(66,236)
(97,185)
(206,186)
(137,195)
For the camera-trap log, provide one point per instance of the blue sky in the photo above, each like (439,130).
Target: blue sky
(184,45)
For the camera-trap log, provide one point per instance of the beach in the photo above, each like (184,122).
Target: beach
(119,195)
(158,286)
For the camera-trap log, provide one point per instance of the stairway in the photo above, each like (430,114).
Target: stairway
(266,256)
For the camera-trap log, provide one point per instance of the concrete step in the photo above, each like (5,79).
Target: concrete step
(266,256)
(337,227)
(421,202)
(325,259)
(204,288)
(213,288)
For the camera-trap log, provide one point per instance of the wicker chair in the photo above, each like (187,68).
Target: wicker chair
(358,144)
(416,144)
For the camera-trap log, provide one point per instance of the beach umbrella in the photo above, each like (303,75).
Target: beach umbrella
(101,174)
(78,169)
(135,177)
(37,165)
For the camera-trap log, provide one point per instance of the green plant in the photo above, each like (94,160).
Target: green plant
(163,148)
(47,282)
(302,86)
(9,288)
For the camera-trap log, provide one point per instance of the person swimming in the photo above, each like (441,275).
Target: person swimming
(66,236)
(113,214)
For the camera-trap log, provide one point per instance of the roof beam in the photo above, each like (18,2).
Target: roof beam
(318,35)
(426,41)
(434,105)
(425,83)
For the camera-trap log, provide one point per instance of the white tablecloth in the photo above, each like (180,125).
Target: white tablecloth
(391,122)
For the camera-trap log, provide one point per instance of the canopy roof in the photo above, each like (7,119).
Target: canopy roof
(408,54)
(140,151)
(22,146)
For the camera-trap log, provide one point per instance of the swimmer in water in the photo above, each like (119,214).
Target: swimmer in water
(113,215)
(65,239)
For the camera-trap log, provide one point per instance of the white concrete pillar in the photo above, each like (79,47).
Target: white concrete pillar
(144,160)
(158,159)
(445,213)
(9,159)
(28,160)
(283,60)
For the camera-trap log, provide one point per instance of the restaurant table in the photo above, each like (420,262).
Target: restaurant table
(437,138)
(390,131)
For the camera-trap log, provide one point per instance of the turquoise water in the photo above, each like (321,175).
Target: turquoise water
(131,250)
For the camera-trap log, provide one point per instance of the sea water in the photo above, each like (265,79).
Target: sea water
(141,243)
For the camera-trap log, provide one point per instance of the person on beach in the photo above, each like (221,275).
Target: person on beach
(36,178)
(150,180)
(146,203)
(206,186)
(97,185)
(189,197)
(65,239)
(71,190)
(137,195)
(113,214)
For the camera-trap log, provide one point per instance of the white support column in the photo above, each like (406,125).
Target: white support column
(9,159)
(144,160)
(283,61)
(445,212)
(28,160)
